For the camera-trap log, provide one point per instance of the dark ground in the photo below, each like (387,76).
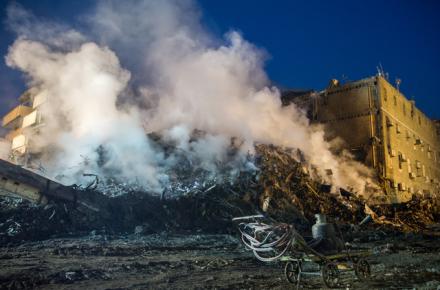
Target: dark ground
(189,243)
(162,261)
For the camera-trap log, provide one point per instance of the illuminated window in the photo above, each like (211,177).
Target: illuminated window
(402,159)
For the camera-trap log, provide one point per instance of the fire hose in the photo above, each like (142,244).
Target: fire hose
(268,242)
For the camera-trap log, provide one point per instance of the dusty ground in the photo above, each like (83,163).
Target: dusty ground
(196,262)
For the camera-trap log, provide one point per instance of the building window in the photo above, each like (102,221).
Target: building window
(419,168)
(412,109)
(402,159)
(391,152)
(395,100)
(389,122)
(404,109)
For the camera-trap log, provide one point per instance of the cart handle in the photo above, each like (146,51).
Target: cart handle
(248,217)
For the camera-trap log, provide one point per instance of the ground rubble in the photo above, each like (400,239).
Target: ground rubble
(196,261)
(138,240)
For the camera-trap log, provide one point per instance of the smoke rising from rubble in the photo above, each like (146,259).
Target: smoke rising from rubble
(150,66)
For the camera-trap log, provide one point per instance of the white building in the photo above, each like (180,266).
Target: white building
(21,121)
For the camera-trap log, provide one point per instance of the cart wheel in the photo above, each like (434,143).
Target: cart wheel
(330,275)
(362,270)
(291,271)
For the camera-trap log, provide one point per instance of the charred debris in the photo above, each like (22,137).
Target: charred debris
(281,189)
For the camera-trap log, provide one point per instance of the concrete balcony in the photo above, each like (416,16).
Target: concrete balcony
(19,144)
(16,113)
(30,119)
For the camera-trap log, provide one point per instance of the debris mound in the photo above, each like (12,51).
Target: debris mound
(281,188)
(293,194)
(416,215)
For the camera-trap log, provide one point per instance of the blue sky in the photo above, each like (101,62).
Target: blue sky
(308,42)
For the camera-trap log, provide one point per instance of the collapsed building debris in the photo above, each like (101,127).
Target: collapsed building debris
(159,210)
(291,192)
(16,181)
(413,216)
(281,186)
(294,197)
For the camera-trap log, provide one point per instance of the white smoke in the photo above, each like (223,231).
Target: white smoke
(28,26)
(185,80)
(80,115)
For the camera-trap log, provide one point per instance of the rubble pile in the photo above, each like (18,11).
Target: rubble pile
(417,215)
(292,196)
(22,220)
(292,193)
(281,187)
(132,213)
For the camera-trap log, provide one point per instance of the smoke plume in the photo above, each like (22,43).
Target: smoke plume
(150,66)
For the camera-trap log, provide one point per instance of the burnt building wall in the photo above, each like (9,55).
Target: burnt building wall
(384,130)
(348,113)
(411,145)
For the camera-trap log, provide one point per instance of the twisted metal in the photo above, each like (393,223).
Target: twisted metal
(268,242)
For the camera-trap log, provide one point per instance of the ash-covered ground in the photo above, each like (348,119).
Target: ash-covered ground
(137,240)
(197,261)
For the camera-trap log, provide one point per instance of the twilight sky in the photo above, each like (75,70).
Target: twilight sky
(308,42)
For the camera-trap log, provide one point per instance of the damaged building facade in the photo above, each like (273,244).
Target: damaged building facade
(20,121)
(382,129)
